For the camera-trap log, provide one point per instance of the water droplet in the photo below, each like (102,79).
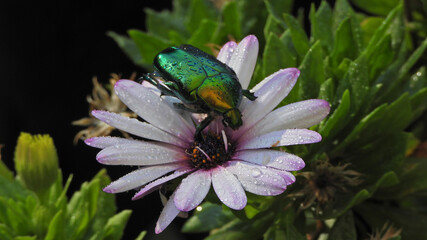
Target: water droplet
(256,172)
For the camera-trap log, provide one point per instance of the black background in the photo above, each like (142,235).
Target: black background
(49,53)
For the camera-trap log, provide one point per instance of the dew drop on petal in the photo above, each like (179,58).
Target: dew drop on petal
(255,172)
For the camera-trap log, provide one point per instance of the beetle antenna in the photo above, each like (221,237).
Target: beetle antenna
(204,153)
(225,140)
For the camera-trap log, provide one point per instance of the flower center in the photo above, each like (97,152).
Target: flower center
(212,150)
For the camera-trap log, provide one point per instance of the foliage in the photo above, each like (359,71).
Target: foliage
(46,213)
(369,67)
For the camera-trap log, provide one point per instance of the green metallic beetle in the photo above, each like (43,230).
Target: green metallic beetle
(201,82)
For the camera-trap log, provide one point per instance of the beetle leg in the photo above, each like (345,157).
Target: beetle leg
(249,95)
(189,109)
(162,87)
(202,126)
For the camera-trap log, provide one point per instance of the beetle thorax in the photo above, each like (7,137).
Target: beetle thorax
(211,151)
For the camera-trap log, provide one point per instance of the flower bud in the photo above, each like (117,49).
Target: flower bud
(36,161)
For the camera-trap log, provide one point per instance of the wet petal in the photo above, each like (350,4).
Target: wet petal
(289,177)
(228,188)
(139,178)
(103,142)
(270,92)
(136,127)
(140,154)
(192,190)
(168,214)
(157,183)
(280,138)
(302,114)
(244,59)
(271,158)
(153,109)
(226,52)
(257,179)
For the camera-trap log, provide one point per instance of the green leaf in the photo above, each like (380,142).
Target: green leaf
(344,227)
(369,159)
(141,235)
(129,47)
(312,73)
(419,103)
(239,229)
(276,56)
(148,45)
(253,15)
(200,10)
(204,34)
(284,226)
(412,222)
(4,171)
(10,188)
(321,26)
(381,122)
(342,10)
(277,7)
(25,238)
(380,7)
(6,233)
(385,26)
(56,229)
(99,206)
(381,57)
(327,90)
(369,26)
(356,80)
(298,35)
(61,200)
(337,119)
(15,214)
(347,43)
(232,20)
(161,23)
(417,81)
(115,226)
(412,59)
(412,179)
(272,27)
(344,201)
(210,217)
(82,207)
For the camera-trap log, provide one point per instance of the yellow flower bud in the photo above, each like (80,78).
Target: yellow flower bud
(36,161)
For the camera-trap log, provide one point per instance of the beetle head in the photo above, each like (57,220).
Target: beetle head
(232,118)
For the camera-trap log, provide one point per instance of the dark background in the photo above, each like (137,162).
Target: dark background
(49,53)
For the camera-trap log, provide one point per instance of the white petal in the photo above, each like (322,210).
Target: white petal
(153,109)
(226,52)
(244,59)
(157,183)
(281,138)
(168,214)
(139,178)
(192,190)
(136,127)
(103,142)
(270,92)
(289,177)
(271,158)
(228,188)
(258,179)
(140,154)
(302,114)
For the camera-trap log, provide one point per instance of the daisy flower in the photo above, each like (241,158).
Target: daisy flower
(232,162)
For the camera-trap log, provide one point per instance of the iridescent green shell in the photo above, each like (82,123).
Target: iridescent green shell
(200,76)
